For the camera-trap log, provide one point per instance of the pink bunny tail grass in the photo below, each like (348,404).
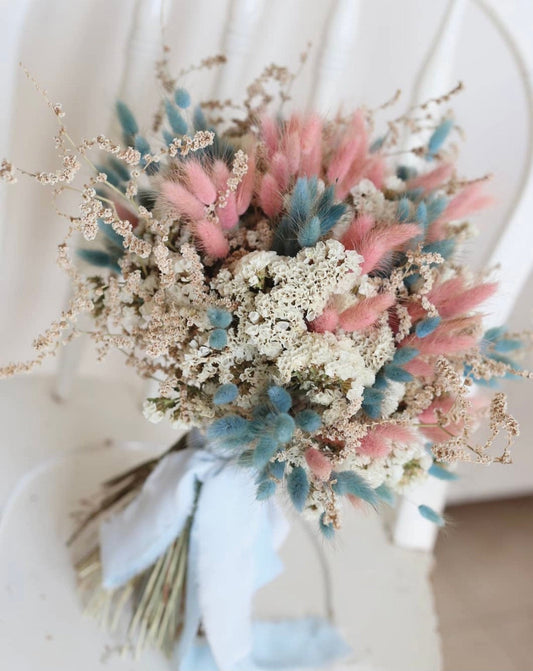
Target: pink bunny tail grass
(182,200)
(437,344)
(200,183)
(126,215)
(211,239)
(365,313)
(420,368)
(470,200)
(358,230)
(311,146)
(328,321)
(440,295)
(343,159)
(467,300)
(319,464)
(380,242)
(293,152)
(374,445)
(378,441)
(429,416)
(433,179)
(279,167)
(245,189)
(270,134)
(375,171)
(227,215)
(270,197)
(348,162)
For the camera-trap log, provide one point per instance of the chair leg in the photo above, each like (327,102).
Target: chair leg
(411,530)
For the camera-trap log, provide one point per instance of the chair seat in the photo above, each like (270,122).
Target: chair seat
(382,595)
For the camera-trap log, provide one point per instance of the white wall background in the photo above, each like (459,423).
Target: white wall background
(77,50)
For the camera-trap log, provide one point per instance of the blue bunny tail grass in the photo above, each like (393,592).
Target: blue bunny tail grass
(298,487)
(386,495)
(99,259)
(218,339)
(264,451)
(327,529)
(226,393)
(439,136)
(265,490)
(176,121)
(442,473)
(427,326)
(308,420)
(349,482)
(309,232)
(182,98)
(404,355)
(280,398)
(431,515)
(219,318)
(126,119)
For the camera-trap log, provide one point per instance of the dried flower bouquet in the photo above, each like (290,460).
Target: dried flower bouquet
(295,288)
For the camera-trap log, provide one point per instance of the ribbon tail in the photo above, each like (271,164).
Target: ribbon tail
(134,538)
(228,518)
(304,643)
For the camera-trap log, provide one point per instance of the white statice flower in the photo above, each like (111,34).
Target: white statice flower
(404,467)
(151,413)
(377,346)
(391,400)
(394,183)
(368,199)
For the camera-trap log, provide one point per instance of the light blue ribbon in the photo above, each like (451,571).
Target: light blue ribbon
(232,553)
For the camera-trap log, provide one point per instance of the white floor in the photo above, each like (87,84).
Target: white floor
(53,454)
